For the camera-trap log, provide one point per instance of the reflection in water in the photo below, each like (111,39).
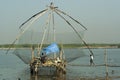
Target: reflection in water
(44,74)
(47,73)
(57,76)
(38,77)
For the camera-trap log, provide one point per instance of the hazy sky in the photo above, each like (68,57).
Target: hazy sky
(101,17)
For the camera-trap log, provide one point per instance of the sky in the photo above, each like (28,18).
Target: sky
(101,17)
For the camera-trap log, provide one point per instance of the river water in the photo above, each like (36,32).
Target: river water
(12,68)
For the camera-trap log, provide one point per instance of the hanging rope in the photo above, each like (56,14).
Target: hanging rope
(53,26)
(21,33)
(32,17)
(75,32)
(71,18)
(48,34)
(44,34)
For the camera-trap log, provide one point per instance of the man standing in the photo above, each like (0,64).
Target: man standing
(91,60)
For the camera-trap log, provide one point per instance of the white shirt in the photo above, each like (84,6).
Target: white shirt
(91,57)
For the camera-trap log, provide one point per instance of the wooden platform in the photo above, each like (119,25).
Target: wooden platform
(50,65)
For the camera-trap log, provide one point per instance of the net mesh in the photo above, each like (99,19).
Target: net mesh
(48,29)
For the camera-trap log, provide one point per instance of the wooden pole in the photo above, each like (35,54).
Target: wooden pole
(106,67)
(32,54)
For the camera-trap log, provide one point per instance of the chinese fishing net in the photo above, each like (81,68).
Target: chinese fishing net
(53,26)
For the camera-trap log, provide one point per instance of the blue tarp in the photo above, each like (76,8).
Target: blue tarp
(52,48)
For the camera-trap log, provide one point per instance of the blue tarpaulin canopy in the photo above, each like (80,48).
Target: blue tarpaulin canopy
(52,48)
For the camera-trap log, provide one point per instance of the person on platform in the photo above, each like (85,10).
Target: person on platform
(43,58)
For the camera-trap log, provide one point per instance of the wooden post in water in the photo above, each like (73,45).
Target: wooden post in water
(106,67)
(32,54)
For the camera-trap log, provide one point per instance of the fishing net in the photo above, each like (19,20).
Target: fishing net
(30,38)
(53,26)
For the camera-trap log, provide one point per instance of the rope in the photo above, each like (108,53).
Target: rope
(71,18)
(75,31)
(32,17)
(87,65)
(43,38)
(21,33)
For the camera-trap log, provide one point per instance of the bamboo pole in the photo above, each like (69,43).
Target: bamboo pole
(32,53)
(106,67)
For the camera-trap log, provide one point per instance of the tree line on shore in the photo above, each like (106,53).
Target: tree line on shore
(65,45)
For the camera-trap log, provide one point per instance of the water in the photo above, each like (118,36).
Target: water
(12,68)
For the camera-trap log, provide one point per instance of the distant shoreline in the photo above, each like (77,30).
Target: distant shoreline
(83,47)
(102,47)
(91,46)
